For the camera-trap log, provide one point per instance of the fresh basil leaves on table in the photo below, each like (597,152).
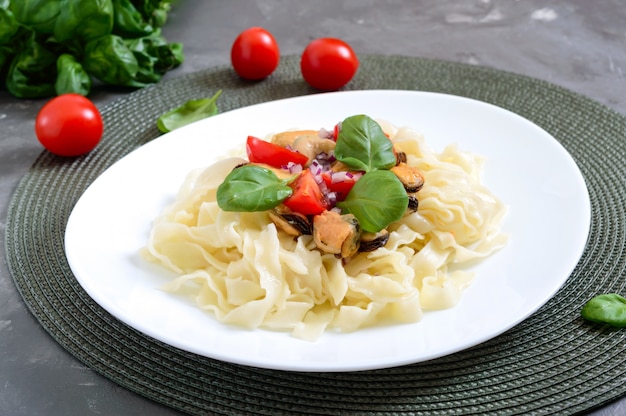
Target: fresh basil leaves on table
(53,47)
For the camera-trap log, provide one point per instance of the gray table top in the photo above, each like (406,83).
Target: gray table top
(577,44)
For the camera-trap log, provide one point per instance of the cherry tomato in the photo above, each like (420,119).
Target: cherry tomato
(69,125)
(341,187)
(307,198)
(255,54)
(328,64)
(261,151)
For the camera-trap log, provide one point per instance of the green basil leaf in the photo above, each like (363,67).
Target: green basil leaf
(363,146)
(37,15)
(8,24)
(154,56)
(128,21)
(608,309)
(32,72)
(5,59)
(71,77)
(169,56)
(189,112)
(154,11)
(109,59)
(66,20)
(251,188)
(83,20)
(377,199)
(143,51)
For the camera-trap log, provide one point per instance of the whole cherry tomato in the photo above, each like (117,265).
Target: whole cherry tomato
(69,125)
(328,64)
(255,54)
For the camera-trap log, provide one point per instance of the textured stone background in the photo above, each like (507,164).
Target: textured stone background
(578,44)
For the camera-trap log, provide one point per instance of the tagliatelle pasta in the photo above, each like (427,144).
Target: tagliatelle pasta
(245,271)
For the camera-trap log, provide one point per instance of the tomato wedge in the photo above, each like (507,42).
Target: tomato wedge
(307,198)
(336,131)
(341,187)
(261,151)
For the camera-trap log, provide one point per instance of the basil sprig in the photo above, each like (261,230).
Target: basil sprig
(608,309)
(363,146)
(252,188)
(377,199)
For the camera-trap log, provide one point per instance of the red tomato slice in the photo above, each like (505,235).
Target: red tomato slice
(261,151)
(336,131)
(307,196)
(340,188)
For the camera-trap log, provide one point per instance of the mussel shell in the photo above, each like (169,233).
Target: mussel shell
(413,203)
(291,222)
(372,241)
(400,158)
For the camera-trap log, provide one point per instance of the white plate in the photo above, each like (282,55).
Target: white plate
(529,170)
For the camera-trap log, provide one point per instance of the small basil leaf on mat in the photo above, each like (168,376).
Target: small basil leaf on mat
(192,110)
(608,309)
(251,188)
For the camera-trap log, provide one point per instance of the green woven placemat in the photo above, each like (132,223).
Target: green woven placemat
(552,363)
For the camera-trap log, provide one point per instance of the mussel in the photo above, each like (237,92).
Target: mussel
(307,142)
(292,223)
(413,204)
(411,178)
(337,234)
(400,158)
(372,241)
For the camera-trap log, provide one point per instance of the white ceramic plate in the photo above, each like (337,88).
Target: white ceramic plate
(529,170)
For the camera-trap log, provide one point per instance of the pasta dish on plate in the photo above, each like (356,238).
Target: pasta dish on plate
(310,231)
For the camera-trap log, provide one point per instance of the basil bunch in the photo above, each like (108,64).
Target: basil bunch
(52,47)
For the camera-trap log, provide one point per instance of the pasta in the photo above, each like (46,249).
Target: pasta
(246,272)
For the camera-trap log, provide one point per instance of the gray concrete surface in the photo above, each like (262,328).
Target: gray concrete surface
(578,44)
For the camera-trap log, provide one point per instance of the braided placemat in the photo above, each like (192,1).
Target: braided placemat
(552,363)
